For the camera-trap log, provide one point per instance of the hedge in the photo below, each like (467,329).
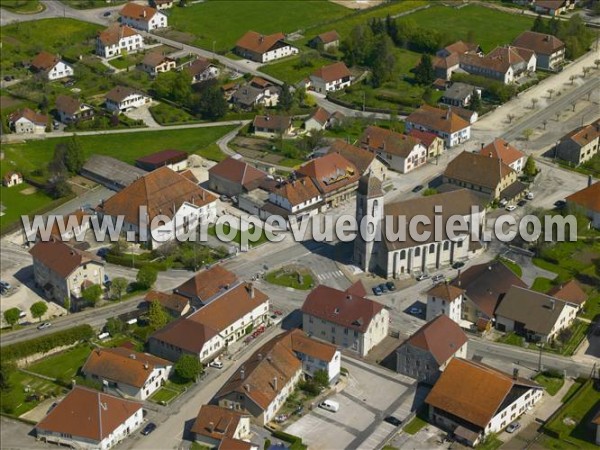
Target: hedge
(127,261)
(295,441)
(46,343)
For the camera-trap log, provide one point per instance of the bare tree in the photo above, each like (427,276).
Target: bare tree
(597,63)
(572,79)
(534,102)
(557,113)
(510,117)
(550,92)
(586,70)
(544,122)
(574,104)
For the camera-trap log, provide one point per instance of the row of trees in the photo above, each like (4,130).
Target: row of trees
(38,309)
(573,32)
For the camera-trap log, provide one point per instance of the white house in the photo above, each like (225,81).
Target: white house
(129,373)
(473,400)
(88,419)
(70,109)
(333,77)
(262,49)
(116,39)
(298,197)
(122,98)
(443,299)
(202,69)
(398,151)
(27,121)
(448,125)
(162,4)
(316,355)
(142,17)
(509,154)
(51,66)
(349,321)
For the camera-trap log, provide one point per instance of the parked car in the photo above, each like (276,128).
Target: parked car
(415,310)
(102,252)
(383,288)
(393,421)
(5,285)
(560,204)
(530,196)
(281,418)
(69,83)
(377,290)
(417,188)
(503,202)
(458,265)
(422,277)
(513,427)
(43,326)
(391,286)
(149,428)
(216,364)
(522,202)
(437,278)
(510,208)
(330,405)
(106,14)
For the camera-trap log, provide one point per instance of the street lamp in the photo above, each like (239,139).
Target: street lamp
(541,347)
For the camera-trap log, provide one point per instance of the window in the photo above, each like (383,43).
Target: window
(446,245)
(403,254)
(432,248)
(418,251)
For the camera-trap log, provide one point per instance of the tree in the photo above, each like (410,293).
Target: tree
(6,369)
(544,122)
(527,133)
(586,70)
(384,61)
(114,326)
(67,304)
(118,248)
(157,315)
(211,104)
(286,99)
(118,286)
(530,168)
(188,367)
(146,277)
(321,378)
(475,104)
(574,104)
(92,294)
(73,156)
(550,92)
(597,61)
(38,309)
(11,316)
(358,45)
(534,102)
(510,117)
(572,79)
(539,25)
(424,73)
(56,166)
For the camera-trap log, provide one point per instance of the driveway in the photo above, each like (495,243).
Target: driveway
(372,393)
(143,113)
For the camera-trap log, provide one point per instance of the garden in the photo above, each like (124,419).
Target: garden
(551,380)
(291,276)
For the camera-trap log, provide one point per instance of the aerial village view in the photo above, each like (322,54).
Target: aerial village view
(300,224)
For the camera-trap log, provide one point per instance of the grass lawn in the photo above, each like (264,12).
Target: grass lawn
(22,6)
(551,384)
(196,446)
(88,4)
(212,230)
(490,443)
(166,114)
(512,266)
(289,69)
(512,339)
(123,62)
(224,23)
(415,425)
(579,330)
(289,277)
(14,401)
(542,284)
(62,365)
(490,28)
(164,394)
(572,423)
(592,306)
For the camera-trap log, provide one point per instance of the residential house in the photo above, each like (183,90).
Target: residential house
(406,256)
(76,225)
(333,77)
(11,179)
(142,17)
(51,66)
(255,94)
(227,318)
(425,354)
(326,41)
(126,372)
(484,286)
(349,321)
(206,285)
(271,126)
(459,47)
(176,305)
(448,125)
(447,60)
(202,69)
(549,50)
(398,151)
(460,94)
(317,121)
(110,172)
(155,63)
(335,177)
(161,4)
(122,98)
(364,160)
(553,7)
(316,355)
(472,400)
(588,200)
(581,144)
(215,424)
(534,315)
(468,114)
(570,292)
(233,176)
(485,174)
(117,39)
(175,160)
(432,142)
(27,121)
(261,385)
(175,207)
(508,154)
(299,198)
(62,271)
(506,64)
(70,109)
(260,48)
(88,419)
(446,300)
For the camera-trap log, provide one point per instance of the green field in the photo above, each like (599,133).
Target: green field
(415,425)
(22,6)
(18,203)
(14,401)
(291,72)
(225,21)
(490,28)
(166,114)
(542,284)
(88,4)
(64,365)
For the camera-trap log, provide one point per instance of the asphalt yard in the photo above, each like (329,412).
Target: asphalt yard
(372,394)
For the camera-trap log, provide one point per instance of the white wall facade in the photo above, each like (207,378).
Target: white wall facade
(278,53)
(60,70)
(514,410)
(322,86)
(26,126)
(416,158)
(129,44)
(187,219)
(450,140)
(311,364)
(282,396)
(237,329)
(159,20)
(438,306)
(130,102)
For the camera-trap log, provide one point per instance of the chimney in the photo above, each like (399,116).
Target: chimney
(515,373)
(552,304)
(261,38)
(482,145)
(144,13)
(211,426)
(250,288)
(146,366)
(274,383)
(247,387)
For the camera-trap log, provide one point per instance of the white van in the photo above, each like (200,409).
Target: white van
(217,364)
(330,405)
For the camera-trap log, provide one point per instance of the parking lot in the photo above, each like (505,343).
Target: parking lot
(372,394)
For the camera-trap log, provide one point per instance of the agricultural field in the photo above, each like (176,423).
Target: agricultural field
(21,199)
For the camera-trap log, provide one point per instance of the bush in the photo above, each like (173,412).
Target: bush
(46,343)
(553,373)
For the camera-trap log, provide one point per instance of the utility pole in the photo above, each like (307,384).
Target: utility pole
(541,346)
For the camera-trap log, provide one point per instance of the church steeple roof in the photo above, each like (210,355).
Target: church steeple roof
(370,186)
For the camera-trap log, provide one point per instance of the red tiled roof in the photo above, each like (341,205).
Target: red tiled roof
(341,308)
(163,157)
(320,115)
(297,191)
(114,33)
(302,343)
(362,159)
(332,72)
(381,139)
(329,36)
(588,198)
(438,119)
(32,116)
(198,66)
(138,12)
(44,61)
(154,59)
(461,47)
(67,104)
(120,93)
(186,334)
(571,292)
(216,422)
(357,289)
(207,283)
(445,291)
(500,149)
(238,171)
(442,337)
(278,123)
(172,302)
(425,137)
(88,414)
(61,258)
(540,43)
(258,43)
(330,172)
(582,136)
(477,169)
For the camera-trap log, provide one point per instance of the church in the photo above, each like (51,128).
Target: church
(394,258)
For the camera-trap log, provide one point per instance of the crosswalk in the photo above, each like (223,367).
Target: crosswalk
(330,275)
